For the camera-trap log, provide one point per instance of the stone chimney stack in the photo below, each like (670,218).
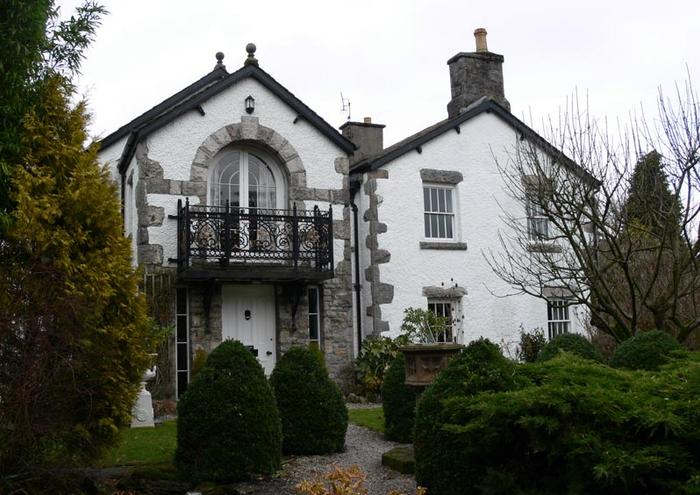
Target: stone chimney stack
(475,74)
(368,137)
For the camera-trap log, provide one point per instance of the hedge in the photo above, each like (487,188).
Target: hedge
(398,402)
(572,343)
(479,368)
(228,426)
(645,351)
(573,426)
(312,409)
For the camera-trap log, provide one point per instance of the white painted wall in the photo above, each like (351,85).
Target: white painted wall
(175,145)
(479,195)
(110,157)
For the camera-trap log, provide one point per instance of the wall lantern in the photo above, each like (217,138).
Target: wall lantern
(250,104)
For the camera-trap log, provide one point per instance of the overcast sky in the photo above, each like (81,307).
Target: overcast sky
(389,58)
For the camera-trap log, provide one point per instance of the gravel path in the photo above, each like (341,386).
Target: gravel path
(363,447)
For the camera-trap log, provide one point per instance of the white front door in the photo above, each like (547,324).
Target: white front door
(248,315)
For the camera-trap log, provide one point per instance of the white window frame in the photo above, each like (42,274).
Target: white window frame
(315,313)
(451,215)
(453,305)
(558,317)
(182,367)
(536,219)
(243,185)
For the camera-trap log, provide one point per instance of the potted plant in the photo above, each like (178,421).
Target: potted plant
(431,347)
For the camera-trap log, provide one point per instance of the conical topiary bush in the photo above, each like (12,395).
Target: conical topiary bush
(312,409)
(228,426)
(398,402)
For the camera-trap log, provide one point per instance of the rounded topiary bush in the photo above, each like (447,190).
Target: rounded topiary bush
(312,409)
(645,351)
(398,402)
(479,368)
(572,343)
(228,426)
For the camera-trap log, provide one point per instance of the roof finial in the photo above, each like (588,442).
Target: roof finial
(251,60)
(220,60)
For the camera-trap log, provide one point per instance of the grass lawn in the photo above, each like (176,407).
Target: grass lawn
(144,446)
(372,418)
(156,446)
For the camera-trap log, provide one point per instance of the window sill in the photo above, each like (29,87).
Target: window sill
(543,247)
(442,245)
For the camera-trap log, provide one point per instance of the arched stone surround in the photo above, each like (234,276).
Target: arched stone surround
(249,131)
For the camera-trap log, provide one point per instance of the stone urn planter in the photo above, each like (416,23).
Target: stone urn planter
(424,362)
(142,411)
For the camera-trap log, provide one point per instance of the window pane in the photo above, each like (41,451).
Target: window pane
(427,225)
(450,220)
(433,226)
(441,200)
(181,382)
(181,301)
(313,300)
(448,195)
(182,356)
(313,327)
(441,226)
(426,198)
(182,328)
(433,200)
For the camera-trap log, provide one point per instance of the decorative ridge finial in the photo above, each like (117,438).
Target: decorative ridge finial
(251,60)
(219,60)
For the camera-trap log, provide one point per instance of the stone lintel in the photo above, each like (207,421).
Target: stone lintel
(444,293)
(441,176)
(445,246)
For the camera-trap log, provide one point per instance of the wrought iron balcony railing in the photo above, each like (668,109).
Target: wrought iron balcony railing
(230,235)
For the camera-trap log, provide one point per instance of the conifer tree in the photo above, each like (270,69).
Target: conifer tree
(74,333)
(650,205)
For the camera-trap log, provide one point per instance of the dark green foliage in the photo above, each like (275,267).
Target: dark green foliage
(398,402)
(312,409)
(34,47)
(645,351)
(74,333)
(228,426)
(578,427)
(531,343)
(570,342)
(651,205)
(479,368)
(376,355)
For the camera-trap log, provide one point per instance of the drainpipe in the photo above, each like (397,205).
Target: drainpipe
(356,285)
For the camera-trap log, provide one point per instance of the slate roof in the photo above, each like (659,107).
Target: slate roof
(484,104)
(193,96)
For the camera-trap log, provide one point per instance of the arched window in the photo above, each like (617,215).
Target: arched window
(246,179)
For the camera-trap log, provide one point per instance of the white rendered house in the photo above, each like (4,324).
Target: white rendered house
(280,231)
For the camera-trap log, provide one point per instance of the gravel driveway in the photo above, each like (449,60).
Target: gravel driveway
(363,447)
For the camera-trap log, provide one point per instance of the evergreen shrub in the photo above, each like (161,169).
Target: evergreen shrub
(479,368)
(572,343)
(645,351)
(312,409)
(228,427)
(398,402)
(576,426)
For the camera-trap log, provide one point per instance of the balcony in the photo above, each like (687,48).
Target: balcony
(232,243)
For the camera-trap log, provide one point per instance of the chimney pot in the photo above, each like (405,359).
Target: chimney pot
(480,37)
(368,120)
